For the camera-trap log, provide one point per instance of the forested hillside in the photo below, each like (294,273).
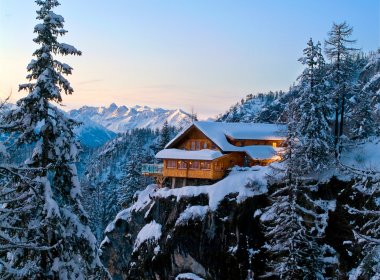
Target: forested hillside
(112,174)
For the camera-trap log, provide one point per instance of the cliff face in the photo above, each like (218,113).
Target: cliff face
(214,232)
(213,247)
(169,232)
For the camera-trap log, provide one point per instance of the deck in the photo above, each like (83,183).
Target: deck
(152,169)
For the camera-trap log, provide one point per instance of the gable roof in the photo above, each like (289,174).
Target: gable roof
(218,132)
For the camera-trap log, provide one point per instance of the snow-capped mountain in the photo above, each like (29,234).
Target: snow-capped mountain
(121,118)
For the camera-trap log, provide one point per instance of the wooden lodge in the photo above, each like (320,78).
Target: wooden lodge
(206,150)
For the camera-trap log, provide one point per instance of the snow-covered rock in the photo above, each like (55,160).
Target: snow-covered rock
(179,232)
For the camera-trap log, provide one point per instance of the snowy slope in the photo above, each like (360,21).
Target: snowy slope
(249,108)
(91,134)
(122,119)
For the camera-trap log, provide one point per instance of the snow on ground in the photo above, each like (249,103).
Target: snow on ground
(235,182)
(150,232)
(188,276)
(3,150)
(192,213)
(143,199)
(361,157)
(365,156)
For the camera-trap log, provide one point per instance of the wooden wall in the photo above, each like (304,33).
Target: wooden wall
(249,142)
(195,135)
(217,169)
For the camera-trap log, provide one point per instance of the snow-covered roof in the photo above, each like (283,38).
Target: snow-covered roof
(191,155)
(218,132)
(258,152)
(261,151)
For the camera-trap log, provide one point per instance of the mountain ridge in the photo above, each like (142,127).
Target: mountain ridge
(121,119)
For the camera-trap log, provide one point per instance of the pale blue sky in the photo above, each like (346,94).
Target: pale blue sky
(196,53)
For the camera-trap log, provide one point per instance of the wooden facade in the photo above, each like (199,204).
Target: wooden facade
(195,140)
(249,142)
(202,169)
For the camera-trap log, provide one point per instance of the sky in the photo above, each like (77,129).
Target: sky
(201,55)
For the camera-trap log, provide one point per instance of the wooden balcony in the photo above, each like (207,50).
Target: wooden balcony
(153,170)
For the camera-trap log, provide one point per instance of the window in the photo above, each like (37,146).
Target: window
(204,145)
(171,164)
(206,165)
(182,164)
(197,145)
(194,164)
(219,166)
(274,144)
(192,145)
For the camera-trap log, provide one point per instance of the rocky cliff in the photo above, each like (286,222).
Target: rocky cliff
(210,231)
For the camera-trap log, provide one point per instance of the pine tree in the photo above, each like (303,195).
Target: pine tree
(362,123)
(131,182)
(338,51)
(312,126)
(59,223)
(364,208)
(293,246)
(164,135)
(109,202)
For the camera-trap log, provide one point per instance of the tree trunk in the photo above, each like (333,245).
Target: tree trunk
(336,130)
(342,117)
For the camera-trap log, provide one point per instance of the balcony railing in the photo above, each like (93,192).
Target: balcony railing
(152,169)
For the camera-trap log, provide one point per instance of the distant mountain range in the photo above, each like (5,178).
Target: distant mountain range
(100,124)
(122,119)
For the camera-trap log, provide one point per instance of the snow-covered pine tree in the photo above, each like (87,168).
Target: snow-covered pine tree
(164,135)
(292,244)
(282,225)
(362,123)
(59,224)
(338,51)
(131,182)
(364,207)
(109,202)
(290,222)
(314,135)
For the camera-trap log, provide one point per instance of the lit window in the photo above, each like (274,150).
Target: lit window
(274,144)
(194,164)
(182,164)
